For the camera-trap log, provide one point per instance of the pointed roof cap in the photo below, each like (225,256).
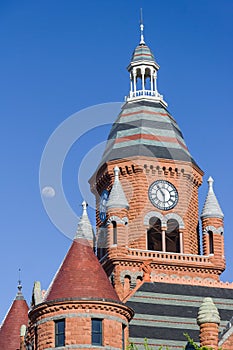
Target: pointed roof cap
(208,312)
(14,319)
(80,276)
(84,229)
(117,198)
(211,207)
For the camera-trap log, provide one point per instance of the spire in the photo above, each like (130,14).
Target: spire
(211,207)
(117,198)
(84,229)
(142,42)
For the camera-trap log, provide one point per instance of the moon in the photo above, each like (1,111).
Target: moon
(48,192)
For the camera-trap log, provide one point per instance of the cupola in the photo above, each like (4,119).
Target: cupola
(143,74)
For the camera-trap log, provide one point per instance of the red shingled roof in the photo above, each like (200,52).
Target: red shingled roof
(81,276)
(10,329)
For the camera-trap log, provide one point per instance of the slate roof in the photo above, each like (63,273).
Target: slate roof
(142,53)
(84,229)
(81,276)
(211,208)
(10,328)
(164,312)
(146,128)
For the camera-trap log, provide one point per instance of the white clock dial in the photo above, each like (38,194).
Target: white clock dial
(163,194)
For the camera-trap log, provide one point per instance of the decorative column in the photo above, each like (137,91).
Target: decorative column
(143,79)
(155,83)
(164,239)
(208,320)
(181,241)
(134,82)
(151,81)
(131,85)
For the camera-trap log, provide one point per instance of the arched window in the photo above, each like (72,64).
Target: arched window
(127,284)
(139,80)
(172,236)
(211,242)
(114,228)
(154,236)
(147,79)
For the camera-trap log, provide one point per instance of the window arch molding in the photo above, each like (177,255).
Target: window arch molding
(213,229)
(174,217)
(154,214)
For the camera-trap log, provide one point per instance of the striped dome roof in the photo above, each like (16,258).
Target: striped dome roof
(146,128)
(142,53)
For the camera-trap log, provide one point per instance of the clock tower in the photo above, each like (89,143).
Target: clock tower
(146,190)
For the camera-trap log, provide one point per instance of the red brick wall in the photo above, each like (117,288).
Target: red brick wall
(78,323)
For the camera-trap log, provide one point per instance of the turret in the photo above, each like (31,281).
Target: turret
(117,213)
(79,298)
(212,227)
(17,316)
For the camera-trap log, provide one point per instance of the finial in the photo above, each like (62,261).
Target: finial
(116,173)
(84,205)
(141,28)
(19,283)
(210,182)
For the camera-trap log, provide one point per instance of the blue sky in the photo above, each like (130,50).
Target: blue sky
(58,57)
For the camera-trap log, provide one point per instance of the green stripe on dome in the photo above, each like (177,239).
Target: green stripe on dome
(145,128)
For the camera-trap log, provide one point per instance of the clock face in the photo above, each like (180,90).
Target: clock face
(103,203)
(163,194)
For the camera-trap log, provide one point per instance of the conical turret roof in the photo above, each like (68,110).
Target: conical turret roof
(211,207)
(80,276)
(15,318)
(117,198)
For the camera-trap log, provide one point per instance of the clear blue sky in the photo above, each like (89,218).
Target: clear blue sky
(58,57)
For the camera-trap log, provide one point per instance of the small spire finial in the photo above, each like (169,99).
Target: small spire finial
(116,173)
(141,28)
(84,205)
(210,182)
(19,283)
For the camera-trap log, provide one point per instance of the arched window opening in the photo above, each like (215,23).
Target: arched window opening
(172,237)
(138,280)
(147,79)
(127,283)
(211,242)
(154,235)
(138,80)
(114,227)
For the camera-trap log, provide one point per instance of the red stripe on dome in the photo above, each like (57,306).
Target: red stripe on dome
(146,112)
(150,137)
